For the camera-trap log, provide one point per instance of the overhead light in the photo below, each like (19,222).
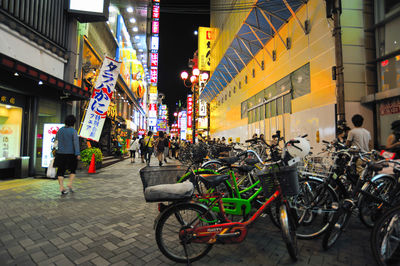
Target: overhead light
(140,50)
(196,32)
(132,20)
(40,82)
(16,74)
(129,9)
(137,37)
(135,29)
(8,106)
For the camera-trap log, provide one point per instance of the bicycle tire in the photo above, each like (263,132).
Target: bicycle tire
(369,209)
(288,230)
(315,206)
(335,228)
(212,164)
(172,237)
(379,236)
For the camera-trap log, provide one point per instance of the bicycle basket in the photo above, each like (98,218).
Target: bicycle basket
(198,152)
(287,177)
(155,175)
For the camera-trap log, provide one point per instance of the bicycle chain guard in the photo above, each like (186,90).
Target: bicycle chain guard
(229,233)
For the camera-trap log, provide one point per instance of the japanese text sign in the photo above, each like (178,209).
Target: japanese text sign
(205,41)
(102,93)
(189,110)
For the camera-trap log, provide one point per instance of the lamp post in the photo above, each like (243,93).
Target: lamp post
(194,81)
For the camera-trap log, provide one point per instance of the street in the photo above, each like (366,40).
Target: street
(107,222)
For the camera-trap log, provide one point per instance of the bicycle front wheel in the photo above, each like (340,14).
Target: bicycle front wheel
(170,240)
(385,238)
(335,228)
(288,230)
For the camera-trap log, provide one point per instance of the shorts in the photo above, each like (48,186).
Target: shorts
(65,162)
(132,153)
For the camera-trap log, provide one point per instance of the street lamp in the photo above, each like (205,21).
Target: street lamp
(194,79)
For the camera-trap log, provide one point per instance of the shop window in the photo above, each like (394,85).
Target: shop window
(390,73)
(10,131)
(300,80)
(389,111)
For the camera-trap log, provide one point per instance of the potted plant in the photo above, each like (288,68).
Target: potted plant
(86,156)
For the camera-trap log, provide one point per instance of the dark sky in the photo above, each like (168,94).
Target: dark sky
(177,45)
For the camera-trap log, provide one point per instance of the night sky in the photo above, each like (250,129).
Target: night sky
(177,45)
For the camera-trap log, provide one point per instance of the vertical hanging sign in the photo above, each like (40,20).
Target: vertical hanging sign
(205,40)
(189,110)
(102,93)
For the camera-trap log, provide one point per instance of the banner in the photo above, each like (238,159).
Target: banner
(202,108)
(205,40)
(102,93)
(189,110)
(49,135)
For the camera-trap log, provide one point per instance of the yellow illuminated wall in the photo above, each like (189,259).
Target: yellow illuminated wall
(315,48)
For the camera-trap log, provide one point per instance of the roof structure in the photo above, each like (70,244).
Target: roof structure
(262,24)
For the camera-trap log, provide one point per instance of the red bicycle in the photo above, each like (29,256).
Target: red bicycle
(187,230)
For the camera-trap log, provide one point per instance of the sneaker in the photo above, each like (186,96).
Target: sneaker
(160,163)
(71,190)
(64,192)
(165,160)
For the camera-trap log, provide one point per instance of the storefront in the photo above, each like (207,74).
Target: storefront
(29,99)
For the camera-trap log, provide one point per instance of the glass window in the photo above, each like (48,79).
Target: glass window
(257,114)
(262,65)
(279,106)
(268,110)
(10,131)
(283,85)
(287,103)
(389,111)
(273,108)
(244,109)
(390,73)
(245,79)
(251,116)
(270,91)
(254,73)
(300,80)
(262,112)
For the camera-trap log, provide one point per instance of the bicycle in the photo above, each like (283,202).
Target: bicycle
(385,238)
(193,223)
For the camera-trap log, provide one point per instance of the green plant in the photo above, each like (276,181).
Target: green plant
(86,155)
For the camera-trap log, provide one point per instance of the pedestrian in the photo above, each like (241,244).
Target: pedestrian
(166,148)
(133,148)
(223,140)
(148,147)
(341,138)
(68,153)
(393,140)
(174,146)
(141,148)
(160,147)
(358,136)
(254,136)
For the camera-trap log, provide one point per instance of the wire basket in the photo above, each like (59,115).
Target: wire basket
(198,152)
(155,175)
(321,166)
(284,176)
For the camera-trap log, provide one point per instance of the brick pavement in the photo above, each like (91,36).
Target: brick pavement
(107,222)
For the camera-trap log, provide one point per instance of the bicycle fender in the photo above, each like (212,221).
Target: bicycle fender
(382,175)
(210,161)
(173,205)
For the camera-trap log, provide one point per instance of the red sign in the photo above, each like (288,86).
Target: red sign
(154,59)
(142,132)
(153,75)
(156,11)
(189,110)
(389,107)
(156,27)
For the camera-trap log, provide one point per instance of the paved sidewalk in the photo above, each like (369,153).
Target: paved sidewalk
(107,222)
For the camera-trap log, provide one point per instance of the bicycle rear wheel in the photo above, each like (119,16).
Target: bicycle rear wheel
(315,206)
(288,230)
(336,227)
(385,238)
(174,246)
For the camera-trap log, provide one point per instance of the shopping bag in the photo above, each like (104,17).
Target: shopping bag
(51,170)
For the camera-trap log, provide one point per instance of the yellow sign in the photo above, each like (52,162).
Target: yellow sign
(206,40)
(153,89)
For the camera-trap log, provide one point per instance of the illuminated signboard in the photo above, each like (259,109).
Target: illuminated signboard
(189,110)
(154,43)
(153,75)
(49,135)
(89,10)
(202,108)
(153,110)
(154,59)
(155,27)
(156,11)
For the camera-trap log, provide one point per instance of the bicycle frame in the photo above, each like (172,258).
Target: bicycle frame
(227,232)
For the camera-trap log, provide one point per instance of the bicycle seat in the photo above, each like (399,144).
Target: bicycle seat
(213,180)
(376,167)
(229,160)
(396,170)
(251,161)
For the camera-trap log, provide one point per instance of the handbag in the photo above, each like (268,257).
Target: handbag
(51,170)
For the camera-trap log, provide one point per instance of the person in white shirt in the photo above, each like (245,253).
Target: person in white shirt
(134,148)
(358,136)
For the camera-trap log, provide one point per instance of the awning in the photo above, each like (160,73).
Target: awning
(261,25)
(73,92)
